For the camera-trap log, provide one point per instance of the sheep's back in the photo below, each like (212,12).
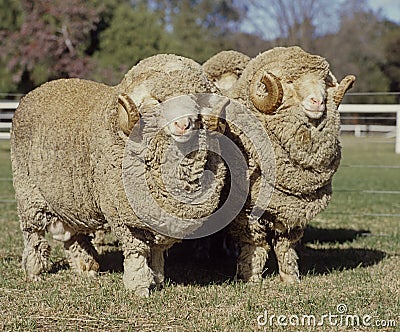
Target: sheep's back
(52,141)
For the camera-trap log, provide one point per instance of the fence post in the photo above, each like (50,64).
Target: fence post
(397,147)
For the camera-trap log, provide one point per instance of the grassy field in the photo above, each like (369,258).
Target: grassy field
(349,260)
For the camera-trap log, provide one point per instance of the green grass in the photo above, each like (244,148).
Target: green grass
(350,255)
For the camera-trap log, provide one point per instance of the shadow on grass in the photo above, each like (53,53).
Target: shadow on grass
(323,261)
(200,262)
(206,261)
(336,235)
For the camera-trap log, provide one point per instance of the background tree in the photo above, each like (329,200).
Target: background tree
(131,34)
(50,42)
(292,22)
(100,39)
(10,20)
(391,65)
(357,48)
(200,28)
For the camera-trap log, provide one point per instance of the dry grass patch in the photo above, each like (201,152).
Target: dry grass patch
(346,258)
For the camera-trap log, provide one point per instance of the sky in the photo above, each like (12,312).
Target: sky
(390,8)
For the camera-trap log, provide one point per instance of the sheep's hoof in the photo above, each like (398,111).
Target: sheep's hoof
(291,279)
(254,279)
(140,287)
(142,292)
(34,277)
(92,273)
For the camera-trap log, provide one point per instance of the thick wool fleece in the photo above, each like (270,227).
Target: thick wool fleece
(225,62)
(306,153)
(172,169)
(170,76)
(306,156)
(67,150)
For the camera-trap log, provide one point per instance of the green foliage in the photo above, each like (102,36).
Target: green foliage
(10,19)
(101,39)
(391,66)
(133,34)
(202,28)
(357,49)
(10,14)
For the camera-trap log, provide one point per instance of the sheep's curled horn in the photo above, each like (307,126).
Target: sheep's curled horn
(127,112)
(344,85)
(269,102)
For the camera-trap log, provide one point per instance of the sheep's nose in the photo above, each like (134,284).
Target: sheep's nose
(183,124)
(315,101)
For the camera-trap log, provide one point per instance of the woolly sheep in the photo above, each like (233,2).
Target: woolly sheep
(68,150)
(295,97)
(225,68)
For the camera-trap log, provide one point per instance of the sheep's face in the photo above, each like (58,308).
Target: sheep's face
(225,81)
(182,129)
(311,93)
(182,119)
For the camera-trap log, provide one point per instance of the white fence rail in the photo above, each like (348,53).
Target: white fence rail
(375,109)
(7,110)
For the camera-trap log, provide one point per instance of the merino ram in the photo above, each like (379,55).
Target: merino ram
(295,97)
(68,155)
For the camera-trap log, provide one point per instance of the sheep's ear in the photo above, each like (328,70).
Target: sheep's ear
(128,114)
(215,121)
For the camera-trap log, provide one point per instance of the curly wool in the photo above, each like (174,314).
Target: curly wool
(172,171)
(67,150)
(306,156)
(306,153)
(177,76)
(225,62)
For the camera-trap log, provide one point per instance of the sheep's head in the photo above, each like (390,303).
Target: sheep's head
(310,92)
(288,76)
(182,118)
(268,92)
(155,81)
(225,68)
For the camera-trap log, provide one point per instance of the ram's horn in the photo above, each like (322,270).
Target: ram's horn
(270,101)
(127,113)
(345,84)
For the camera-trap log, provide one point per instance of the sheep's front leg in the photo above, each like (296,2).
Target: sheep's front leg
(138,276)
(157,265)
(251,261)
(284,247)
(36,254)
